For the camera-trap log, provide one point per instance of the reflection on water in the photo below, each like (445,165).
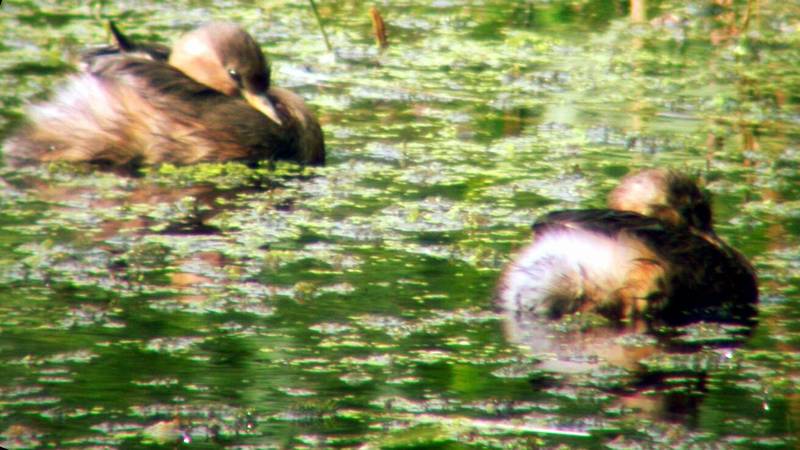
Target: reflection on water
(350,305)
(658,376)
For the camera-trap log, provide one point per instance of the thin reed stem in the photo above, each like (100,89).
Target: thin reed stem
(321,27)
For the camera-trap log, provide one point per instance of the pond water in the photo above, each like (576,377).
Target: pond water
(221,306)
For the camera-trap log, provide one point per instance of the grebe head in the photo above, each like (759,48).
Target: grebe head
(668,195)
(225,57)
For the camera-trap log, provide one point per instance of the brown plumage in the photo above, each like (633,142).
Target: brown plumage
(211,101)
(654,258)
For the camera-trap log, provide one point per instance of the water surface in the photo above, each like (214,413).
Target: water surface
(350,306)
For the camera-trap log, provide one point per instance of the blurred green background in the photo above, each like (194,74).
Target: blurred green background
(222,306)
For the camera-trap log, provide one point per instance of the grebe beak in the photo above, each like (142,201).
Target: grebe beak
(262,103)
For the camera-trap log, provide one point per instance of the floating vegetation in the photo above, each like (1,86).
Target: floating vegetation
(279,306)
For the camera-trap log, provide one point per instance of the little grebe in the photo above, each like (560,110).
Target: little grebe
(651,259)
(211,100)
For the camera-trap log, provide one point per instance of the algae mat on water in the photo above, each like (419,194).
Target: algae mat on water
(349,306)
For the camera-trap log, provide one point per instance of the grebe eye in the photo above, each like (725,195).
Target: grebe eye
(235,76)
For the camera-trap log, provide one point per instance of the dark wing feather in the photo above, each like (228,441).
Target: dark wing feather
(123,45)
(605,221)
